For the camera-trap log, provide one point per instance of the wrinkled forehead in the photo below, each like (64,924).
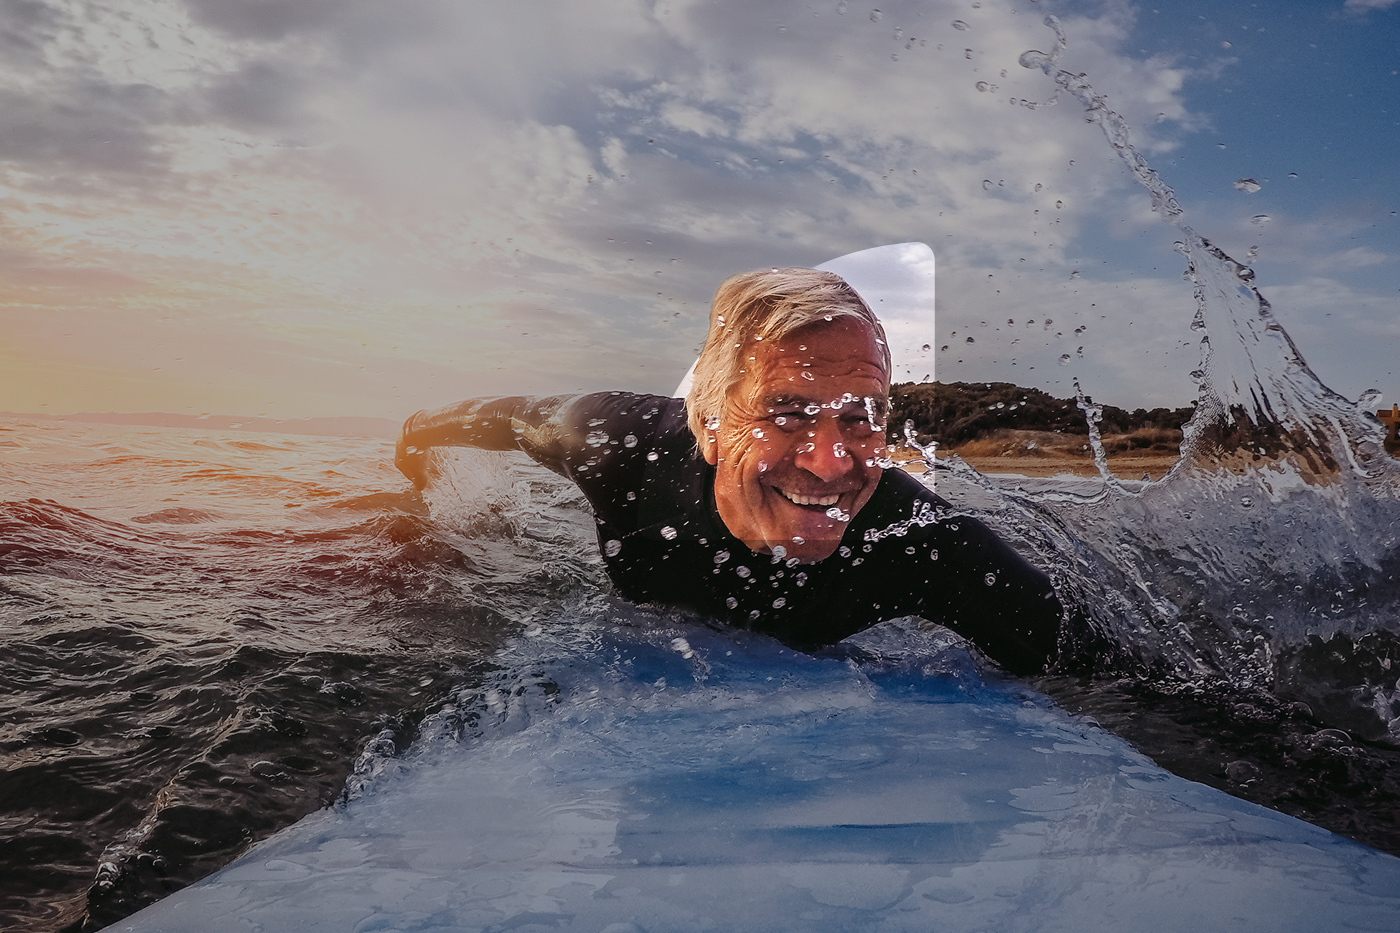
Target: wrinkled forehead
(839,349)
(831,364)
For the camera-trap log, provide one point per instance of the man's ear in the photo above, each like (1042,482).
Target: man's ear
(710,449)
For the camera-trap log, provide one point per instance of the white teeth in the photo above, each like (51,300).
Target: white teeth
(810,500)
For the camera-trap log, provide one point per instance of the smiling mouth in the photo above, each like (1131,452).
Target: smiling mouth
(811,502)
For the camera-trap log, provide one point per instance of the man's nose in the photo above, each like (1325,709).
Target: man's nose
(824,455)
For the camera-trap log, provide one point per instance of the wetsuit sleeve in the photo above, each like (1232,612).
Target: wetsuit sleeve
(953,569)
(992,596)
(544,427)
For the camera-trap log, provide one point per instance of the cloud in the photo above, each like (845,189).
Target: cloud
(267,19)
(1366,6)
(544,196)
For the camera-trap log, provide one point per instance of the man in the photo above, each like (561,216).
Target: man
(766,498)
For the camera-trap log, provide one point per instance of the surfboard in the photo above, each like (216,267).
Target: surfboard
(655,778)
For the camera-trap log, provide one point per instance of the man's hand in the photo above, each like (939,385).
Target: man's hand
(416,463)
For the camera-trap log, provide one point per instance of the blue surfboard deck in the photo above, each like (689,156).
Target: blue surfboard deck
(681,779)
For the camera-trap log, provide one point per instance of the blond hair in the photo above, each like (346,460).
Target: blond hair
(767,304)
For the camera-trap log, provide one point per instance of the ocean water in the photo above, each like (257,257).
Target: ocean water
(202,632)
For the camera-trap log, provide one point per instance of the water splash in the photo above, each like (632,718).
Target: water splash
(1275,532)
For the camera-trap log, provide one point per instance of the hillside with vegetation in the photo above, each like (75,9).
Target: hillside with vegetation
(1002,426)
(954,413)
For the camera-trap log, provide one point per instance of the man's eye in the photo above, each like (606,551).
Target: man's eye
(789,420)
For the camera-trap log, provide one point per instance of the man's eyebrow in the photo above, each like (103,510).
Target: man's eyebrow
(880,404)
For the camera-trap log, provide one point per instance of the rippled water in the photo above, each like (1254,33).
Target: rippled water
(202,632)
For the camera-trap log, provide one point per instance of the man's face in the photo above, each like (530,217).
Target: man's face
(797,450)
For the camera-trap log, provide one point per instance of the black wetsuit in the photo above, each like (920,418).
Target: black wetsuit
(904,553)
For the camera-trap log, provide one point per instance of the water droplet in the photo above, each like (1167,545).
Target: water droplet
(987,184)
(1246,501)
(990,579)
(668,532)
(875,16)
(967,53)
(933,554)
(1260,220)
(629,441)
(970,340)
(926,347)
(983,86)
(596,439)
(653,455)
(743,571)
(1370,398)
(721,556)
(1248,185)
(612,547)
(779,552)
(841,9)
(1292,174)
(959,25)
(731,602)
(1064,359)
(779,603)
(1059,204)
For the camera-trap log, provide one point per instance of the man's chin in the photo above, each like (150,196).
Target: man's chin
(810,545)
(812,552)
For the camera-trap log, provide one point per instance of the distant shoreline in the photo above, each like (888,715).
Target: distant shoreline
(1135,465)
(1122,467)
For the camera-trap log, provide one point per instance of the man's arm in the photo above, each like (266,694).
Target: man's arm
(540,426)
(1002,603)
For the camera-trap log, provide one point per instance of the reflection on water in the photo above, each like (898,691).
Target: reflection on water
(201,634)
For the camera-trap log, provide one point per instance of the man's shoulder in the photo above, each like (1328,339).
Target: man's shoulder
(651,414)
(899,490)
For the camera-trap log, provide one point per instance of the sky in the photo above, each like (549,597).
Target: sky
(343,207)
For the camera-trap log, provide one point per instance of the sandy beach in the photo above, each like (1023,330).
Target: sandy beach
(1043,453)
(1152,467)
